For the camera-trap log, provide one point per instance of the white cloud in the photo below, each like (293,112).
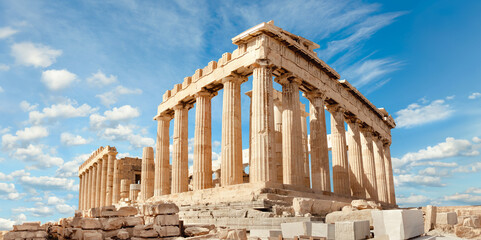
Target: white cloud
(37,55)
(28,134)
(48,183)
(368,71)
(6,224)
(61,110)
(463,197)
(73,140)
(58,79)
(27,107)
(474,190)
(70,168)
(432,171)
(435,164)
(35,154)
(65,209)
(471,168)
(111,97)
(100,79)
(416,114)
(450,148)
(6,32)
(416,180)
(126,133)
(476,140)
(7,187)
(4,67)
(114,116)
(413,200)
(8,191)
(474,95)
(38,211)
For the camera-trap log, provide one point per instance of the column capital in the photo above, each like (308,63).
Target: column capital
(234,77)
(353,119)
(265,63)
(386,142)
(315,94)
(335,108)
(205,93)
(182,105)
(111,153)
(288,77)
(164,117)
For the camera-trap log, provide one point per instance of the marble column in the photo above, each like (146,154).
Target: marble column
(202,168)
(389,173)
(305,148)
(103,182)
(380,169)
(80,191)
(278,139)
(110,178)
(147,174)
(99,183)
(292,152)
(340,169)
(94,186)
(320,173)
(262,169)
(356,170)
(180,171)
(89,188)
(231,166)
(124,188)
(370,182)
(116,182)
(162,167)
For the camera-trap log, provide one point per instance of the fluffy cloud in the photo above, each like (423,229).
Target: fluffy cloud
(100,79)
(48,183)
(70,168)
(474,190)
(111,97)
(73,140)
(8,191)
(417,114)
(6,32)
(37,55)
(126,133)
(114,116)
(60,205)
(474,95)
(58,79)
(38,211)
(4,67)
(27,107)
(28,134)
(450,148)
(416,180)
(435,164)
(471,168)
(61,110)
(413,200)
(7,224)
(463,198)
(35,154)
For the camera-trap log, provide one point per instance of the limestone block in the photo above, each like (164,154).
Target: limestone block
(28,226)
(360,204)
(265,233)
(450,218)
(149,220)
(167,231)
(252,213)
(123,234)
(75,223)
(326,230)
(302,206)
(398,224)
(110,233)
(95,212)
(352,230)
(166,220)
(133,221)
(127,211)
(467,232)
(430,218)
(143,230)
(350,216)
(197,231)
(92,235)
(235,213)
(90,223)
(293,229)
(112,223)
(165,208)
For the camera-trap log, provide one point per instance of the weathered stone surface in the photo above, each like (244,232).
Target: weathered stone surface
(196,231)
(112,223)
(165,208)
(302,206)
(467,232)
(127,211)
(25,235)
(326,230)
(29,226)
(90,223)
(354,230)
(94,235)
(450,218)
(133,221)
(167,231)
(123,234)
(291,230)
(165,220)
(429,218)
(265,233)
(149,220)
(398,224)
(251,213)
(350,216)
(110,233)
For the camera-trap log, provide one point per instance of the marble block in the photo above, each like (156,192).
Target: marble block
(355,230)
(398,224)
(326,230)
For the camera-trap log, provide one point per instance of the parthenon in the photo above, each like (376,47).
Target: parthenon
(283,154)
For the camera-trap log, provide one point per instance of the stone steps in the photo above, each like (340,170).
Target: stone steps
(250,223)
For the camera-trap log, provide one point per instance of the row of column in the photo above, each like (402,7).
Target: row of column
(100,183)
(363,171)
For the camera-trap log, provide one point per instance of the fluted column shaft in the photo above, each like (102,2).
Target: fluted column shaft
(380,170)
(356,170)
(292,154)
(162,157)
(110,178)
(262,164)
(180,172)
(94,186)
(98,183)
(278,140)
(389,173)
(80,192)
(202,169)
(116,182)
(89,192)
(231,167)
(370,182)
(340,169)
(320,173)
(147,174)
(103,182)
(305,149)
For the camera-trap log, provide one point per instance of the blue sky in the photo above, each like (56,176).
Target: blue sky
(78,75)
